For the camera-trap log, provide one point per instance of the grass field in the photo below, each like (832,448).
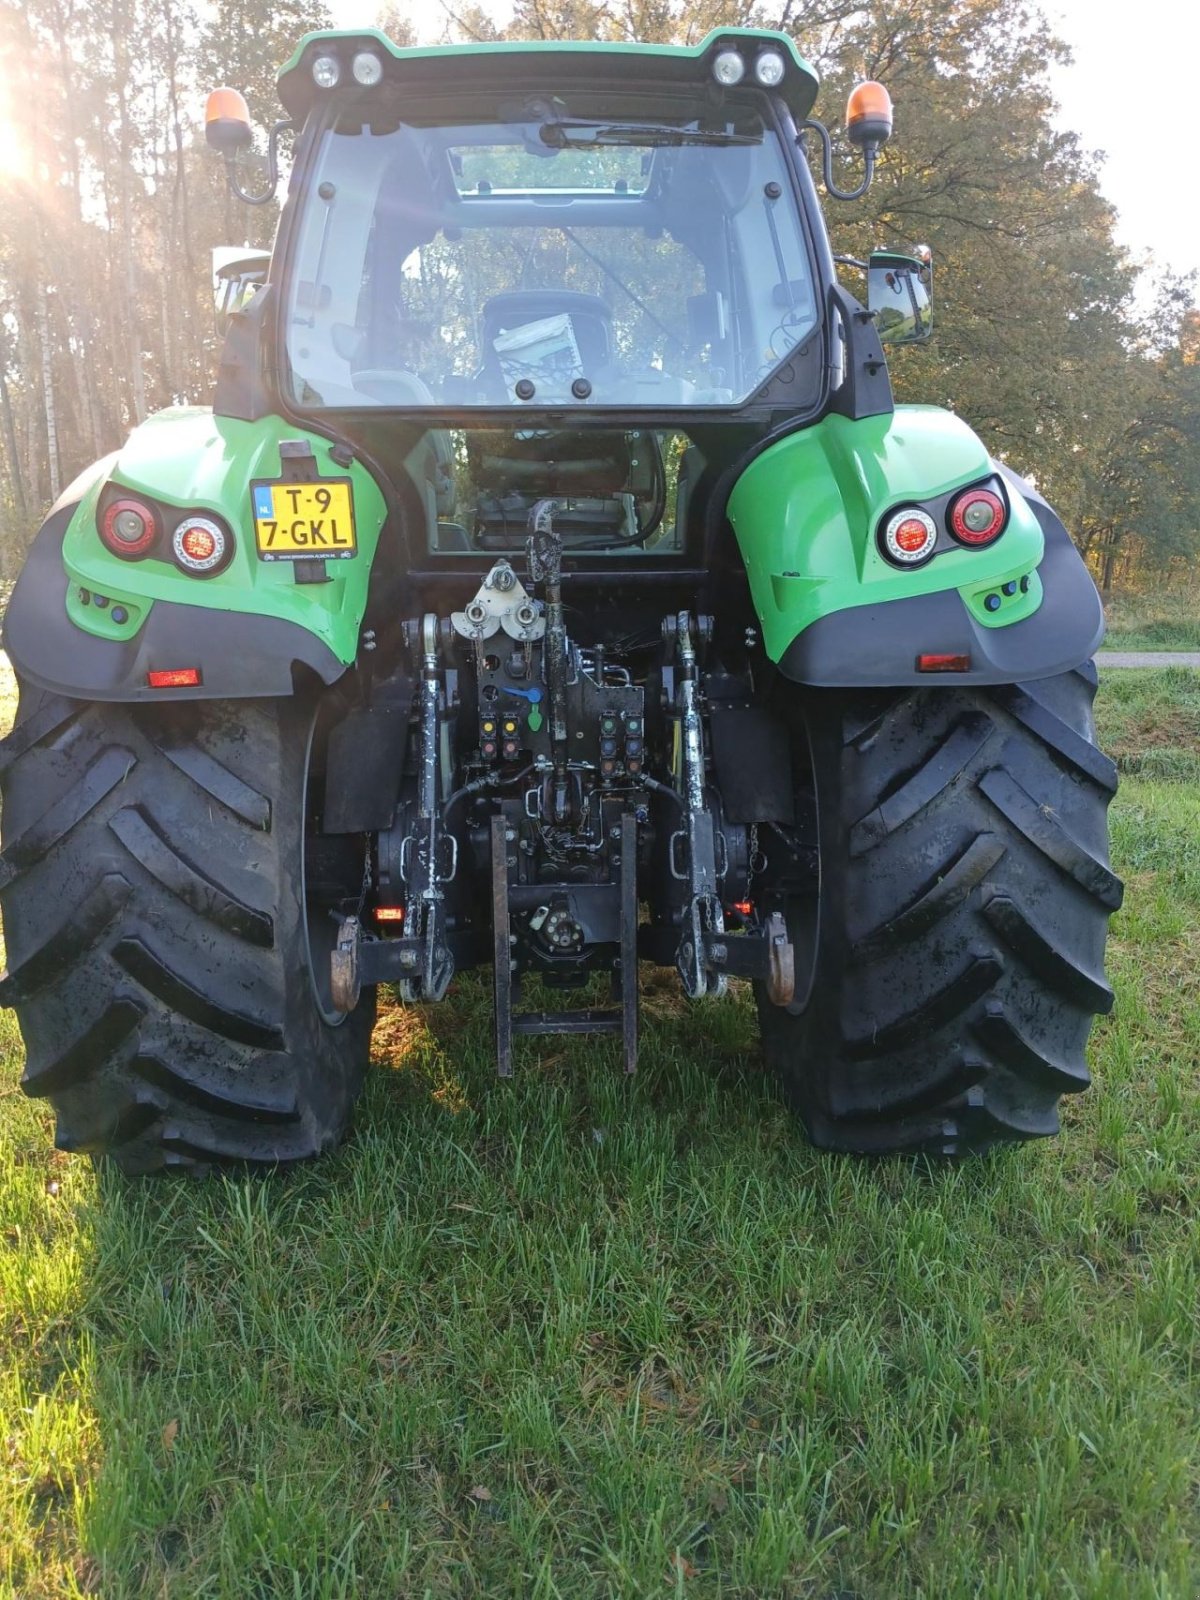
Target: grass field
(584,1337)
(1162,619)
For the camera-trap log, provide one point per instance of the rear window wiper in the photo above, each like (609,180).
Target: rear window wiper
(576,131)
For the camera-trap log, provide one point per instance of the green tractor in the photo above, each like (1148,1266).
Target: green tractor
(553,585)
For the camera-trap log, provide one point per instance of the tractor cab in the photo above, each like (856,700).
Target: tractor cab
(591,273)
(522,284)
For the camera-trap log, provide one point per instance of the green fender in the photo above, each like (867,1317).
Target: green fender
(833,610)
(190,459)
(246,626)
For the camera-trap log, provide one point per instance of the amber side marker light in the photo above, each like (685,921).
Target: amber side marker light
(932,661)
(175,678)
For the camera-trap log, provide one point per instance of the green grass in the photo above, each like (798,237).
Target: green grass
(1164,619)
(1151,722)
(588,1337)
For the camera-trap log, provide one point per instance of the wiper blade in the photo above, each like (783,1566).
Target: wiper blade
(572,131)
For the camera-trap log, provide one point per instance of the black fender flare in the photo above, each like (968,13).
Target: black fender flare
(876,646)
(240,655)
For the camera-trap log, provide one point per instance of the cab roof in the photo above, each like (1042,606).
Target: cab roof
(464,66)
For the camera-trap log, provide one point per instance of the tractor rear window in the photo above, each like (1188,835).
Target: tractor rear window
(561,255)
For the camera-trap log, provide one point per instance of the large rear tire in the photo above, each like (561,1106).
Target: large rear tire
(163,960)
(952,958)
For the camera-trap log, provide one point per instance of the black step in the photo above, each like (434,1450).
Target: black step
(589,1020)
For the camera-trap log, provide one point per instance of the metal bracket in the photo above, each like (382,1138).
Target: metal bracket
(425,910)
(344,984)
(502,948)
(624,1021)
(628,974)
(234,182)
(766,955)
(702,915)
(432,872)
(501,602)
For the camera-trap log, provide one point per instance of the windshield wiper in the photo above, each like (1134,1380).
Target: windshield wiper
(579,131)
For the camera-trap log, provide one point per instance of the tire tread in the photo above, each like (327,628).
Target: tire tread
(966,890)
(156,938)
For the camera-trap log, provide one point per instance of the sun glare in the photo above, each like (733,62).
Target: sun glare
(15,156)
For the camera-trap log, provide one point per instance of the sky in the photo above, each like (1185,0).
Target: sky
(1129,61)
(1131,93)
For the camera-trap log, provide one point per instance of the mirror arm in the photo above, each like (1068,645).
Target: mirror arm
(850,261)
(268,195)
(831,188)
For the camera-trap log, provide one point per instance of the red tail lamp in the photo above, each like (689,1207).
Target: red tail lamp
(977,517)
(174,678)
(201,546)
(128,528)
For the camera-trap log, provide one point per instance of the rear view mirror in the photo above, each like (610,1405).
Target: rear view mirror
(237,275)
(899,292)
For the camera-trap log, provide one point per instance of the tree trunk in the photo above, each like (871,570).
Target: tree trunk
(1108,565)
(31,433)
(10,447)
(79,318)
(137,379)
(47,351)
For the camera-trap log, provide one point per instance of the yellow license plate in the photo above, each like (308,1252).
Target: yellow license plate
(297,521)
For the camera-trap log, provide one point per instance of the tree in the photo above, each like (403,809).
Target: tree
(1140,515)
(244,46)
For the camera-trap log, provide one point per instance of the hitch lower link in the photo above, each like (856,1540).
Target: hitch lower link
(421,963)
(703,918)
(707,956)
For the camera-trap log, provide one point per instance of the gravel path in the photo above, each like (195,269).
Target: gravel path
(1147,658)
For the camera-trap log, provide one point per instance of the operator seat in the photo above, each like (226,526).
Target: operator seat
(591,323)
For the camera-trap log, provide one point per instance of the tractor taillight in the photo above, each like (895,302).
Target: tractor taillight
(908,536)
(174,678)
(201,546)
(977,517)
(128,528)
(943,661)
